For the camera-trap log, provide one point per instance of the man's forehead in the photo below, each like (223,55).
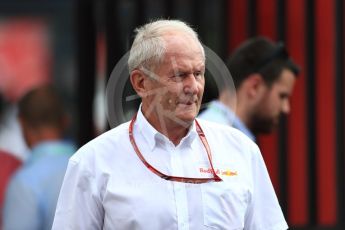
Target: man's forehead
(286,77)
(194,60)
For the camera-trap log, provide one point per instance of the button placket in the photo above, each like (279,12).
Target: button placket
(179,191)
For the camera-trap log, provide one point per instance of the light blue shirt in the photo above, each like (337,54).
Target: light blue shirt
(32,194)
(219,113)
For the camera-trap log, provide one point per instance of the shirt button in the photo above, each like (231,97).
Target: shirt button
(179,189)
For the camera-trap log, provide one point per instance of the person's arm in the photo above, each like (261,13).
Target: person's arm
(79,205)
(264,212)
(21,208)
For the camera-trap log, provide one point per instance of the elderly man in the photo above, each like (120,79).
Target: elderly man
(164,169)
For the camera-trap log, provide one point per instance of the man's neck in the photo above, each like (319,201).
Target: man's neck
(176,134)
(228,99)
(44,134)
(169,128)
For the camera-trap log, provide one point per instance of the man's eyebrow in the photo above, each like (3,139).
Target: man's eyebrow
(202,66)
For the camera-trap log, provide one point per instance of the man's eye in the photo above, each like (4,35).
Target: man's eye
(181,75)
(198,74)
(178,76)
(284,96)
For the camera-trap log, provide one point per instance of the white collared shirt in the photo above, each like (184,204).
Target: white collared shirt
(107,186)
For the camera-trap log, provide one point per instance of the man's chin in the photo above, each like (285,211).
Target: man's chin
(186,107)
(264,128)
(186,114)
(187,118)
(267,131)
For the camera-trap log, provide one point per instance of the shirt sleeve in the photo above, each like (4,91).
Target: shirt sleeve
(264,212)
(79,205)
(21,208)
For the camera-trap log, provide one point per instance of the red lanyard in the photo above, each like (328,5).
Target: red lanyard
(202,137)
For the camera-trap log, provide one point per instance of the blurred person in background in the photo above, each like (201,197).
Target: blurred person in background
(264,76)
(32,193)
(11,136)
(8,165)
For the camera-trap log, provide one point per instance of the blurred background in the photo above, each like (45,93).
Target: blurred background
(76,44)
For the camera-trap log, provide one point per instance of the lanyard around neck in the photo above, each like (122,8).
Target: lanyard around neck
(202,137)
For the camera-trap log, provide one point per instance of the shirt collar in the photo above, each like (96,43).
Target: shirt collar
(233,120)
(223,109)
(190,137)
(49,148)
(154,138)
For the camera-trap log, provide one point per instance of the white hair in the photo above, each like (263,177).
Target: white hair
(149,47)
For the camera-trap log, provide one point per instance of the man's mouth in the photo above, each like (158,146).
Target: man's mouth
(187,103)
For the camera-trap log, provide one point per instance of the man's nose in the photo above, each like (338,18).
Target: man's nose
(286,107)
(190,84)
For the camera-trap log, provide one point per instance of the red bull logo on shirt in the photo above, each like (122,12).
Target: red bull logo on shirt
(226,172)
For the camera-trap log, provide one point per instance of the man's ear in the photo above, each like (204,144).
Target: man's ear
(138,82)
(255,85)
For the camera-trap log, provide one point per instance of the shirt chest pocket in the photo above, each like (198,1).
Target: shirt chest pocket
(224,205)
